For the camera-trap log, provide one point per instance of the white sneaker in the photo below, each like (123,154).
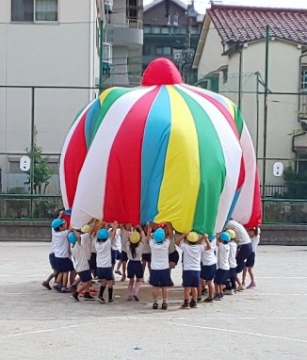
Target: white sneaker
(228,292)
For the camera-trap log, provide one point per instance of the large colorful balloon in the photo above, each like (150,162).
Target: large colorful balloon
(164,151)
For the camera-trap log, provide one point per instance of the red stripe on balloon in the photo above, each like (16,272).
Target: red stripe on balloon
(123,185)
(256,217)
(74,159)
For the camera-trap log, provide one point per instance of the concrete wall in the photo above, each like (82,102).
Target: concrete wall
(294,235)
(283,77)
(211,58)
(62,53)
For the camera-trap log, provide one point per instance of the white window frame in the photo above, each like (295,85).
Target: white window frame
(34,21)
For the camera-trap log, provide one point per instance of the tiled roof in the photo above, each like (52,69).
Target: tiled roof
(244,24)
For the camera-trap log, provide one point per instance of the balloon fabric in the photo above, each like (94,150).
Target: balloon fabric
(163,151)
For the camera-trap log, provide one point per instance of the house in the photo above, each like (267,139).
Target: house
(235,45)
(49,44)
(171,29)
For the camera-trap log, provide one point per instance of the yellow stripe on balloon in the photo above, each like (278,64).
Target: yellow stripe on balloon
(104,94)
(231,107)
(181,179)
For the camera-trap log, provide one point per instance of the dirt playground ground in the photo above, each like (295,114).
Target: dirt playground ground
(269,322)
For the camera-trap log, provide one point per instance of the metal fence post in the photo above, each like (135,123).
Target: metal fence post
(32,149)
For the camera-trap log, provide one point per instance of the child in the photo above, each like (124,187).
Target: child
(104,261)
(55,272)
(222,264)
(134,249)
(116,249)
(80,259)
(232,263)
(208,269)
(254,234)
(160,271)
(146,256)
(192,249)
(62,254)
(125,230)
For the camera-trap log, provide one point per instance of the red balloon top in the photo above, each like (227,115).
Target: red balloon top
(161,71)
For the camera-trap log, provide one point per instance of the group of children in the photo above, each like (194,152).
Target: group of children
(209,264)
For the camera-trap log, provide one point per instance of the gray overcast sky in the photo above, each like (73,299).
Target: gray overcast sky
(201,5)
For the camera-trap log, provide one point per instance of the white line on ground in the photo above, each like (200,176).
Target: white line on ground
(242,332)
(282,277)
(47,330)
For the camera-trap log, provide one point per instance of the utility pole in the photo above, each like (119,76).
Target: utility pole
(265,115)
(101,18)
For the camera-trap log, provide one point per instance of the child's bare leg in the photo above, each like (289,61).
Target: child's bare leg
(251,274)
(110,290)
(72,277)
(65,279)
(186,294)
(194,293)
(164,294)
(210,288)
(244,275)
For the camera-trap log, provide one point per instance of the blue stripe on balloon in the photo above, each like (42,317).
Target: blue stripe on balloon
(233,204)
(154,149)
(90,121)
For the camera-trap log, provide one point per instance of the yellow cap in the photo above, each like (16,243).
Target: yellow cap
(134,237)
(192,237)
(86,229)
(231,233)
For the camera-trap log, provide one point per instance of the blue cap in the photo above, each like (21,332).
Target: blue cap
(103,234)
(56,223)
(224,236)
(159,235)
(72,238)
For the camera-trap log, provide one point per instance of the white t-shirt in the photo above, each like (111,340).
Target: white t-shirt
(93,249)
(208,257)
(86,241)
(242,236)
(138,251)
(232,254)
(117,243)
(159,254)
(191,256)
(255,241)
(223,257)
(124,238)
(103,249)
(79,257)
(61,244)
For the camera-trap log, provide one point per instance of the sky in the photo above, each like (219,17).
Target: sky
(201,5)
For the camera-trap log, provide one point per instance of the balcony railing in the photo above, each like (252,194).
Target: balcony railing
(131,23)
(167,30)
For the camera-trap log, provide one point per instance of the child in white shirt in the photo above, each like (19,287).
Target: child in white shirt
(134,248)
(222,264)
(80,254)
(104,261)
(208,269)
(254,234)
(160,271)
(192,247)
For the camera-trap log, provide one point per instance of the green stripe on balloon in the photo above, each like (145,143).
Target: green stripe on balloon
(110,99)
(238,119)
(212,168)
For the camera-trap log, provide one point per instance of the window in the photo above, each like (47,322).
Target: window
(165,30)
(304,78)
(164,50)
(156,29)
(147,29)
(225,75)
(146,50)
(34,10)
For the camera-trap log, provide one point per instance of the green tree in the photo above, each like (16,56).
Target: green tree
(296,183)
(42,169)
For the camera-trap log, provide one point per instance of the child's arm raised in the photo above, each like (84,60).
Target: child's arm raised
(114,228)
(181,237)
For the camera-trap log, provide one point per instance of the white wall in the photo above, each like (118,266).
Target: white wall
(283,77)
(211,58)
(42,54)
